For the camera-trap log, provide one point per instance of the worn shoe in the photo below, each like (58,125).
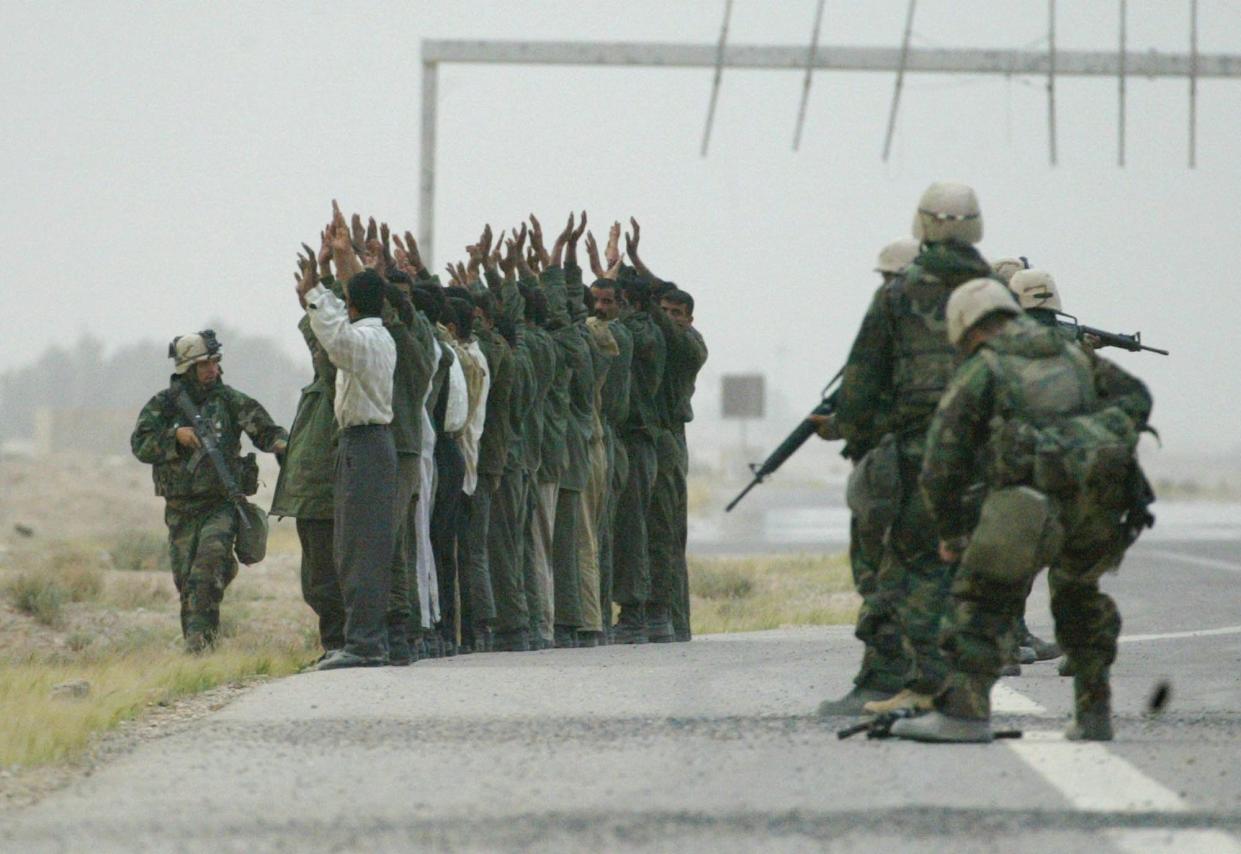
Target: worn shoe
(1091,726)
(1066,667)
(1026,655)
(565,637)
(1043,650)
(197,643)
(905,699)
(511,641)
(682,636)
(659,625)
(630,628)
(587,638)
(1012,669)
(851,704)
(940,728)
(340,659)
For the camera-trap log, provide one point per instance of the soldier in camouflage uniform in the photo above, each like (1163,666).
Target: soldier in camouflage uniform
(898,366)
(1019,384)
(884,661)
(200,513)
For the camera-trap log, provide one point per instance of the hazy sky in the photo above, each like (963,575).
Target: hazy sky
(163,161)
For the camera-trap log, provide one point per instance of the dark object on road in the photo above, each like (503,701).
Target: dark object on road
(1159,697)
(1132,343)
(880,726)
(793,442)
(23,530)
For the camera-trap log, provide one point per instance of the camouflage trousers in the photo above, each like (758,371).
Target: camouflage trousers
(201,533)
(885,663)
(913,584)
(983,617)
(666,526)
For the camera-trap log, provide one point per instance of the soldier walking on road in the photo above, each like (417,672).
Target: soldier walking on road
(201,506)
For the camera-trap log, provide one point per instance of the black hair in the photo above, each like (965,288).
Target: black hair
(365,292)
(676,296)
(424,300)
(398,277)
(637,292)
(458,292)
(461,313)
(485,301)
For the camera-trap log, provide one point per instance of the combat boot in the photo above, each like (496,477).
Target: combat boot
(1066,667)
(511,641)
(659,625)
(197,643)
(1043,650)
(905,699)
(630,628)
(398,650)
(1092,708)
(939,728)
(1026,655)
(587,638)
(851,704)
(683,636)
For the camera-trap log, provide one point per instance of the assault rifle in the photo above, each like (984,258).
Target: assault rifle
(795,440)
(1132,343)
(211,450)
(880,726)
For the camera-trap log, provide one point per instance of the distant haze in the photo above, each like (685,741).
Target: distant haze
(162,162)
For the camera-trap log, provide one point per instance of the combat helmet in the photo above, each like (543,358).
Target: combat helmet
(897,255)
(191,349)
(1035,289)
(1005,267)
(973,301)
(948,211)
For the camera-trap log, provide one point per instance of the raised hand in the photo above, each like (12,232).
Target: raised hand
(536,241)
(411,254)
(592,252)
(559,246)
(385,237)
(475,251)
(358,233)
(612,253)
(508,264)
(492,259)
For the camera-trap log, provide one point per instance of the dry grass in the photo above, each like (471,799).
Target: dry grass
(770,592)
(67,617)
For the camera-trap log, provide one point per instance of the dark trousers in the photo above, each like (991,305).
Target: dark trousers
(506,546)
(478,609)
(320,586)
(631,559)
(445,518)
(363,533)
(567,581)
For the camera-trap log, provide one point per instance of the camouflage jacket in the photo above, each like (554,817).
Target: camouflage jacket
(650,356)
(1058,380)
(180,472)
(686,354)
(901,360)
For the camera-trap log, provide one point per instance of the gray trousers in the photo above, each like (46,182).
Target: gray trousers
(631,559)
(320,587)
(363,533)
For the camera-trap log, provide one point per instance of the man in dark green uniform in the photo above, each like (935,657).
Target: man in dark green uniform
(200,513)
(897,369)
(884,661)
(1076,503)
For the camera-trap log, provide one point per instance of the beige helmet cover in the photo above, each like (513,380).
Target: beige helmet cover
(1005,267)
(190,350)
(948,211)
(973,301)
(897,255)
(1035,289)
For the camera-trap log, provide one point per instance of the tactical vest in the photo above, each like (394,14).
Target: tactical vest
(177,479)
(924,360)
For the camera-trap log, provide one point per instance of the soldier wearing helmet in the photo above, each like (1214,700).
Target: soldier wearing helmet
(898,366)
(200,511)
(1019,378)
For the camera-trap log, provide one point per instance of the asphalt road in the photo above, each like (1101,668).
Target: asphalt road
(710,745)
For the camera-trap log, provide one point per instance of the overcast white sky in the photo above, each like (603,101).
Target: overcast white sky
(162,162)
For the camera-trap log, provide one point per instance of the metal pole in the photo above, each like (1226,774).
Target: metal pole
(1193,84)
(1051,80)
(805,86)
(1120,126)
(900,80)
(426,178)
(719,73)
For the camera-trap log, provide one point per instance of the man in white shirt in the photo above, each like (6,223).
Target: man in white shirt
(364,354)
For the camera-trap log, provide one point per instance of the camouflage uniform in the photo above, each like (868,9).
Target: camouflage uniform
(899,365)
(201,516)
(1029,374)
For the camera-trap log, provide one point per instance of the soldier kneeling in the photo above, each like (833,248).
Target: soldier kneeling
(203,496)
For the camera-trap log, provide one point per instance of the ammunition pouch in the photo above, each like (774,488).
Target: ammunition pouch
(1018,534)
(250,545)
(874,489)
(248,474)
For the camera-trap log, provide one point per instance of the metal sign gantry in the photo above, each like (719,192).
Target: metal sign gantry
(1048,63)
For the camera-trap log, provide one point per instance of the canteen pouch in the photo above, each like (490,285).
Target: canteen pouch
(873,492)
(1017,535)
(248,475)
(251,543)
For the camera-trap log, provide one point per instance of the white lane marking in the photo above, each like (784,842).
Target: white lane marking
(1153,840)
(1194,560)
(1093,779)
(1006,701)
(1200,633)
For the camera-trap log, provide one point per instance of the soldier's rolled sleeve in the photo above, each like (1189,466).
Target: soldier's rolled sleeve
(957,432)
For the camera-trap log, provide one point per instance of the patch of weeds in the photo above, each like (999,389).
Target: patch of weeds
(139,551)
(129,593)
(721,582)
(78,641)
(38,596)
